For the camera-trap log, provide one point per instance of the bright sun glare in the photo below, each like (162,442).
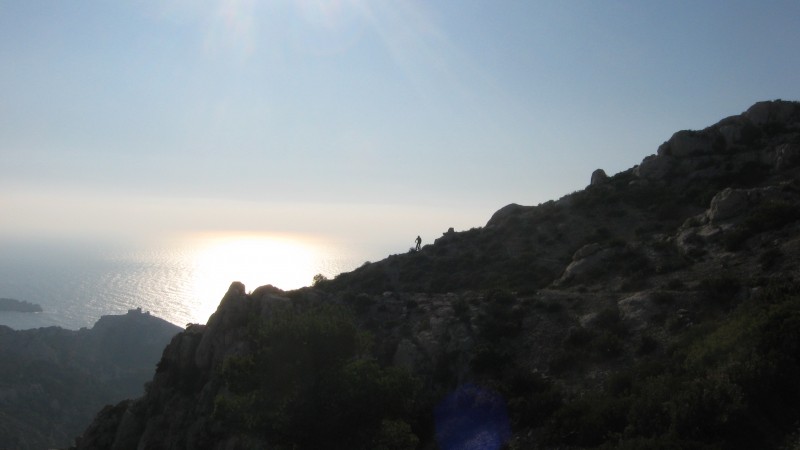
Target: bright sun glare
(255,260)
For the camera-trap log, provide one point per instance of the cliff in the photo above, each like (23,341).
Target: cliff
(53,380)
(657,308)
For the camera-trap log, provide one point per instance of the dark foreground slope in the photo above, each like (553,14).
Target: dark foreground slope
(52,380)
(657,308)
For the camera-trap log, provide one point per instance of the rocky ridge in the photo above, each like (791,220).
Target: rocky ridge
(53,380)
(10,304)
(569,309)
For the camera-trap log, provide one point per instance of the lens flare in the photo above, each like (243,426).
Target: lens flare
(472,418)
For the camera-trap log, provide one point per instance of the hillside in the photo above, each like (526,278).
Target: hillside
(657,308)
(53,380)
(10,304)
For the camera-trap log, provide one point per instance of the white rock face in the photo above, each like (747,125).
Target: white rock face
(727,204)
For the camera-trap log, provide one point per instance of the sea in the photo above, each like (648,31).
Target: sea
(181,280)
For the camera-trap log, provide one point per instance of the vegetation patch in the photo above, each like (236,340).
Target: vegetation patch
(731,384)
(771,215)
(309,384)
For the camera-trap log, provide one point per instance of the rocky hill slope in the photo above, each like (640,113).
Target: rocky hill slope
(657,308)
(53,381)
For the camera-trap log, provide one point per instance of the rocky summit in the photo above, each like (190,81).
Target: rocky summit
(657,308)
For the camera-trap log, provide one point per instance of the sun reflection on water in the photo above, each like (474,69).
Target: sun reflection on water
(284,261)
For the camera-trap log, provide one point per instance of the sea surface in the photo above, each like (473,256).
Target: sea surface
(182,281)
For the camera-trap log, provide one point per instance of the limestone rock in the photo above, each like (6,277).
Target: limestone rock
(589,261)
(690,143)
(639,309)
(586,251)
(223,329)
(764,113)
(786,156)
(654,167)
(726,204)
(504,213)
(598,177)
(737,131)
(730,202)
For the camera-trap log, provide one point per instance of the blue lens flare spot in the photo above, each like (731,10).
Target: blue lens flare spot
(472,418)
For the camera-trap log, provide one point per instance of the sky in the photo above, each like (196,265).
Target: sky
(365,121)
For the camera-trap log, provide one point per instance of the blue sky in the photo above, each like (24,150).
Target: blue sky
(366,121)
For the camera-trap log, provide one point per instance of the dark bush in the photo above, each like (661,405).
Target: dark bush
(768,216)
(587,422)
(461,310)
(770,258)
(307,386)
(361,303)
(579,337)
(647,345)
(606,345)
(720,290)
(500,318)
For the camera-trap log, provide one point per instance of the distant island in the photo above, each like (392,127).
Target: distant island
(9,304)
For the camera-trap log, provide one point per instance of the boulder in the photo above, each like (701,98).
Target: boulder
(730,203)
(504,213)
(727,204)
(598,177)
(588,262)
(689,143)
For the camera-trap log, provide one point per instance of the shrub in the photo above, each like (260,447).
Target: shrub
(770,258)
(606,345)
(720,290)
(318,279)
(461,310)
(491,358)
(587,422)
(500,318)
(647,345)
(395,435)
(768,216)
(361,303)
(531,397)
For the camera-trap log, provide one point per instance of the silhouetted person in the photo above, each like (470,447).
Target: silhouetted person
(418,240)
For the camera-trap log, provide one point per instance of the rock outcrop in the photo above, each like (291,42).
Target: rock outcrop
(598,177)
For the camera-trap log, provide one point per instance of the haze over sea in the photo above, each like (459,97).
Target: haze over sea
(180,280)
